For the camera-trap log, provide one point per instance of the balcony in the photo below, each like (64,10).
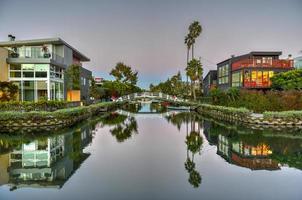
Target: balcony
(33,55)
(257,84)
(282,64)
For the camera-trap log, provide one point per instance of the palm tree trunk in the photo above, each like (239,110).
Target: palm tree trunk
(193,90)
(192,51)
(188,55)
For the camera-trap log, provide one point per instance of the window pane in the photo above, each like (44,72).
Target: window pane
(14,74)
(28,74)
(15,67)
(28,66)
(41,67)
(28,91)
(41,74)
(42,90)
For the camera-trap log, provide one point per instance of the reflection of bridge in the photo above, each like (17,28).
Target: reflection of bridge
(154,96)
(148,114)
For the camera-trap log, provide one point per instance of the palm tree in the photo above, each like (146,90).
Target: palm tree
(189,41)
(195,30)
(194,71)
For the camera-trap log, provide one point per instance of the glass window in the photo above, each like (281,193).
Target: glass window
(223,74)
(28,91)
(15,67)
(27,67)
(237,79)
(15,74)
(41,90)
(27,74)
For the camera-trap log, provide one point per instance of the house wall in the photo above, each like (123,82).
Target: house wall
(3,65)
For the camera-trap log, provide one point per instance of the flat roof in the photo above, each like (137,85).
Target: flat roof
(78,54)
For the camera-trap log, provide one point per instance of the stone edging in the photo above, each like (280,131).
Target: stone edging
(257,120)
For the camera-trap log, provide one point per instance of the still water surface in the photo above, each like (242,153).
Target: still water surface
(152,156)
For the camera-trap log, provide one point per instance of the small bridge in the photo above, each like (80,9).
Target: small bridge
(152,96)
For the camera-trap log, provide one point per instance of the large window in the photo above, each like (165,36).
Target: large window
(29,71)
(257,78)
(237,79)
(223,74)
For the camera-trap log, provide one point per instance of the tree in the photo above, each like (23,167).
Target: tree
(124,73)
(73,74)
(189,41)
(291,80)
(195,30)
(194,71)
(8,91)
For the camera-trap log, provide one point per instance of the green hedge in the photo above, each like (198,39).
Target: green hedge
(28,106)
(59,114)
(286,115)
(226,110)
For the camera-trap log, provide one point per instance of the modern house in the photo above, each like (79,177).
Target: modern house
(298,62)
(210,81)
(37,67)
(252,70)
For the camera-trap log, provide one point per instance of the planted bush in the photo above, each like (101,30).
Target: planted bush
(27,106)
(258,101)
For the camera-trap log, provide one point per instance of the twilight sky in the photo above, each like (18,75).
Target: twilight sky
(149,34)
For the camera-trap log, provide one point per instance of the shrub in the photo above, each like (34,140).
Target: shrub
(258,101)
(27,106)
(286,115)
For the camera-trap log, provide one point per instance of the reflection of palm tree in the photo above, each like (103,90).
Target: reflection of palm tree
(194,143)
(194,178)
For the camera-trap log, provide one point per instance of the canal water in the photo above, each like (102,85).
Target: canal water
(169,155)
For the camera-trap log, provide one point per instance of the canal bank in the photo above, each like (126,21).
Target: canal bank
(285,119)
(11,121)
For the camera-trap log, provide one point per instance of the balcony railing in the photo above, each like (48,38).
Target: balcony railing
(36,54)
(284,64)
(257,84)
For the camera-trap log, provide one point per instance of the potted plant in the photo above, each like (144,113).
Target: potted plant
(45,51)
(14,53)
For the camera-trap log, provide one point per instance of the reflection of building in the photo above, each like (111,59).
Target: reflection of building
(252,157)
(48,162)
(4,162)
(37,67)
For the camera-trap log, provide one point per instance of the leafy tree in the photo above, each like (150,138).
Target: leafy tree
(8,91)
(124,73)
(194,71)
(73,77)
(291,80)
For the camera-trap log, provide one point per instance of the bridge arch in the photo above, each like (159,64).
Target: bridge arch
(154,96)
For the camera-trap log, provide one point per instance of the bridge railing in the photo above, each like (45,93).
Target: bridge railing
(155,95)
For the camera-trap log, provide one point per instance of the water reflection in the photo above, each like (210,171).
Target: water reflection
(50,161)
(46,162)
(123,126)
(255,149)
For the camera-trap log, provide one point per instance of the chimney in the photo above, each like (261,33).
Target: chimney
(233,56)
(11,37)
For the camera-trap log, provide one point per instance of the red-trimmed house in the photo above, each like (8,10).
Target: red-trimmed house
(251,71)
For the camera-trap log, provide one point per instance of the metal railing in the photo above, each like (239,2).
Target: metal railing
(275,63)
(36,54)
(150,95)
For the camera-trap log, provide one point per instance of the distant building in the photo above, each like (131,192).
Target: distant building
(98,80)
(298,62)
(210,81)
(37,67)
(251,71)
